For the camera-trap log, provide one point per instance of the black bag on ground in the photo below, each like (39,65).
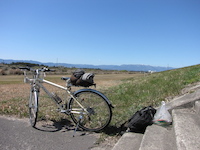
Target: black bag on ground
(80,78)
(141,119)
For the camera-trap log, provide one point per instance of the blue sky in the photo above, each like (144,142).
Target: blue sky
(101,32)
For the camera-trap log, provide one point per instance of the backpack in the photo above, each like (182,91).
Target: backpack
(80,78)
(141,119)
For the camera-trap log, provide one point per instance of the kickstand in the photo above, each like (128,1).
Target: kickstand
(80,117)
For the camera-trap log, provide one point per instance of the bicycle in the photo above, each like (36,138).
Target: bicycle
(89,109)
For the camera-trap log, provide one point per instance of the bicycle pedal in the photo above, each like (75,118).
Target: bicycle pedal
(63,111)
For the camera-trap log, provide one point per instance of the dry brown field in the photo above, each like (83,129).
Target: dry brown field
(14,92)
(12,86)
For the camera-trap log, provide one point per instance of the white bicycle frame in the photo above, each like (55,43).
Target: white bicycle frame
(37,83)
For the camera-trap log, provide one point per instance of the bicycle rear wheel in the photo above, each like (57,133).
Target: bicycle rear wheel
(33,108)
(95,115)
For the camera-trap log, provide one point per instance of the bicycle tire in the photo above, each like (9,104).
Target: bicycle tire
(33,108)
(99,112)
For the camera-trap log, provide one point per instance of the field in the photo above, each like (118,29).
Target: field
(14,93)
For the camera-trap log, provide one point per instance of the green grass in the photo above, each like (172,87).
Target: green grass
(139,92)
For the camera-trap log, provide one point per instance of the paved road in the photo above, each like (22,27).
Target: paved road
(17,134)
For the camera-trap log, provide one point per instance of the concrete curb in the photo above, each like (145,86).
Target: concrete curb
(186,123)
(157,138)
(183,100)
(129,141)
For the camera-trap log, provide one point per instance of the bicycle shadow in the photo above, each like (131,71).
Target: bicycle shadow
(55,126)
(114,130)
(65,125)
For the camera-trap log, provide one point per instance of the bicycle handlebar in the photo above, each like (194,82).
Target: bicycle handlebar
(25,68)
(34,70)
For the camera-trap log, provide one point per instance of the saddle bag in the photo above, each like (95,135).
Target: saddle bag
(80,78)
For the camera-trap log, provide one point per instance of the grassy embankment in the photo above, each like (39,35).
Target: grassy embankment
(138,92)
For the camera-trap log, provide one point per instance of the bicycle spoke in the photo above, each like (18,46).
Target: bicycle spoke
(96,113)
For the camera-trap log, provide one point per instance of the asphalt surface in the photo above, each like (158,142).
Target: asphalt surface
(17,134)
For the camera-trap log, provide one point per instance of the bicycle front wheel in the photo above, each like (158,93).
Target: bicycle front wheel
(95,112)
(33,108)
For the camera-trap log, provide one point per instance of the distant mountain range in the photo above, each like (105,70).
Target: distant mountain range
(103,67)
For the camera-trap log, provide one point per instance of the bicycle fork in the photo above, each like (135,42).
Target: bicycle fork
(33,94)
